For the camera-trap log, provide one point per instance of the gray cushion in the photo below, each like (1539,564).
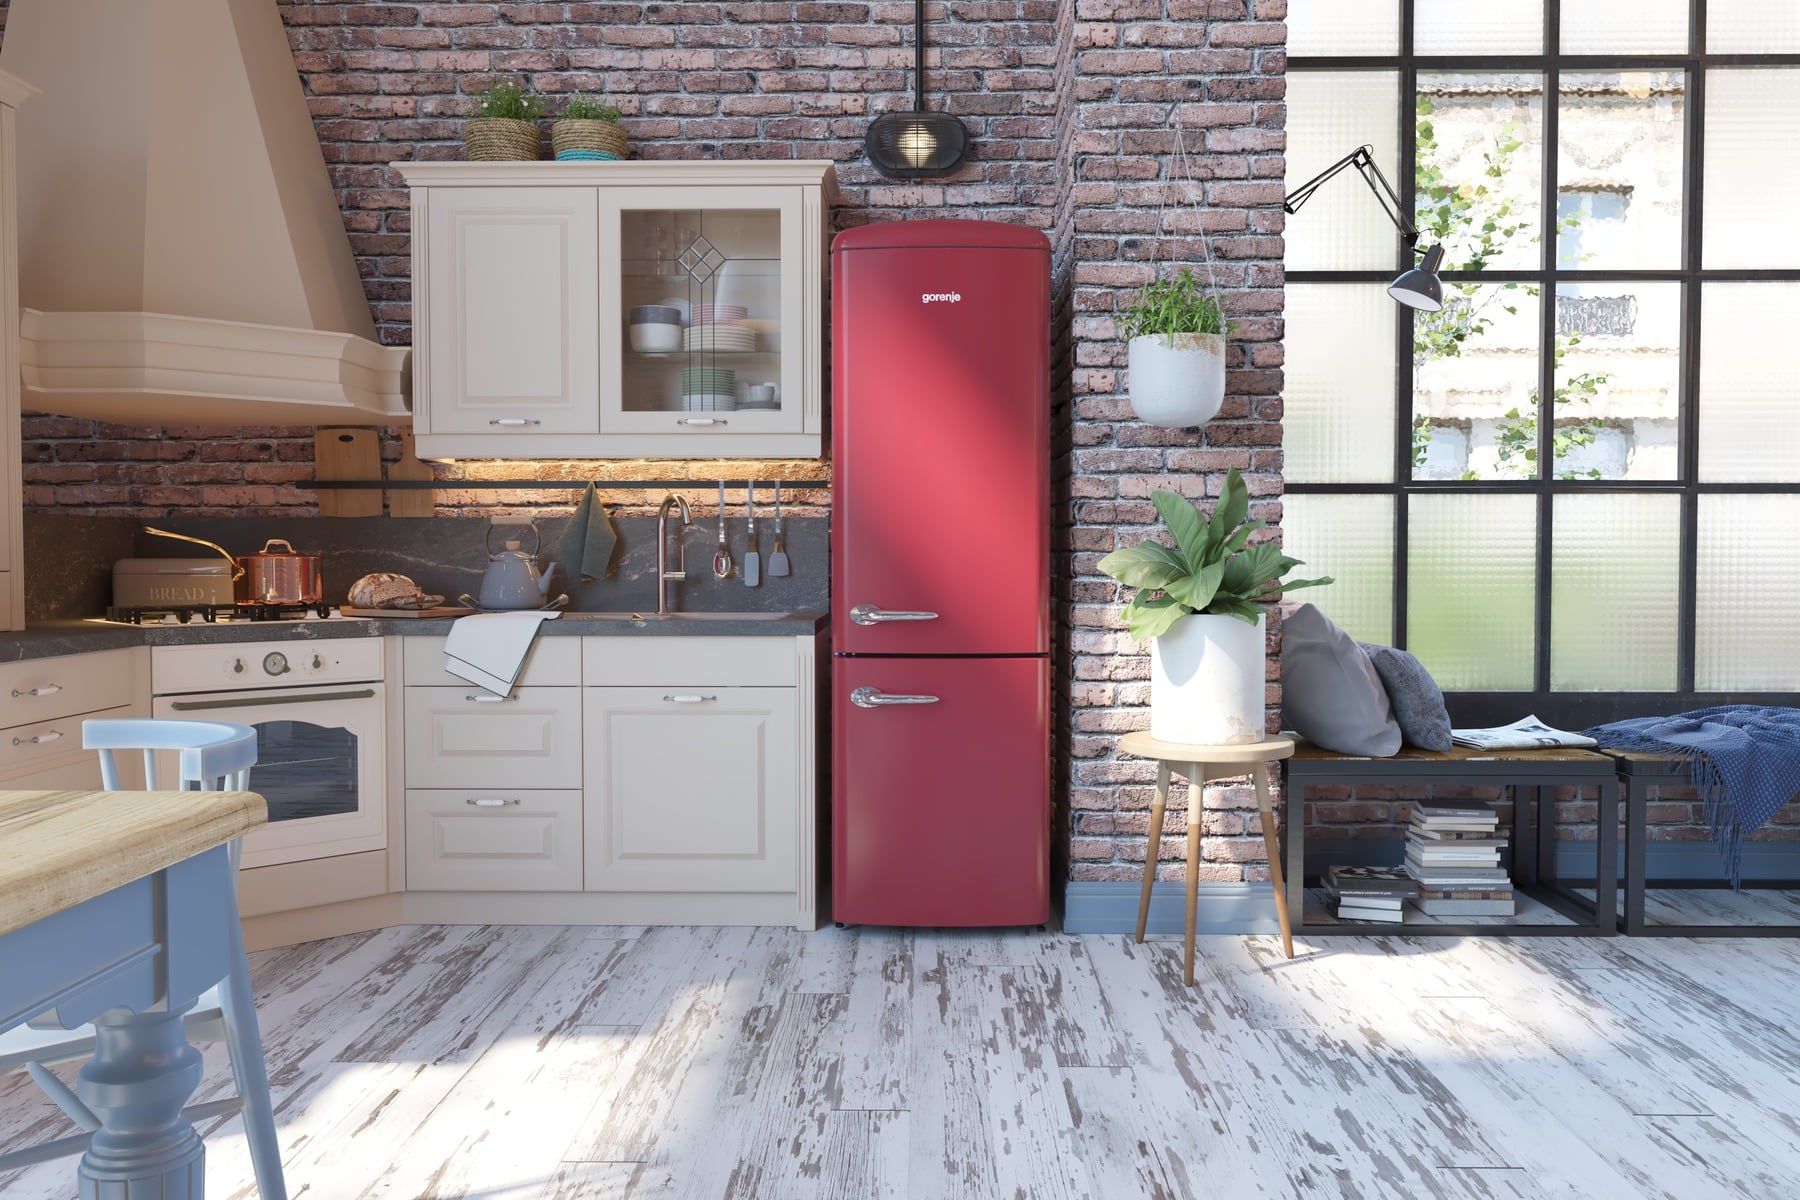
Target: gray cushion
(1330,693)
(1416,699)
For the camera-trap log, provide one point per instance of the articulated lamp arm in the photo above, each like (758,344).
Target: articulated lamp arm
(1417,288)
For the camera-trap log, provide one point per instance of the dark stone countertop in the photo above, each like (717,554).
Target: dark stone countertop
(47,639)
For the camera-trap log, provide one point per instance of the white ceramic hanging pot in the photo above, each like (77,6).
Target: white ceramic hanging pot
(1178,379)
(1207,681)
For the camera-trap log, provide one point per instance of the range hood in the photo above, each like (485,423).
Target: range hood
(182,259)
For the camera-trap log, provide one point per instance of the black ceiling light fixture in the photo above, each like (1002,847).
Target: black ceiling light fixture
(1417,288)
(917,144)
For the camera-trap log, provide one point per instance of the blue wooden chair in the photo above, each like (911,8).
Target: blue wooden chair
(213,757)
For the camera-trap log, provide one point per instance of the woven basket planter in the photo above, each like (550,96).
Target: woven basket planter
(501,139)
(587,139)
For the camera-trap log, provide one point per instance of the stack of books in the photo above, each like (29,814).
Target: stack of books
(1453,853)
(1370,893)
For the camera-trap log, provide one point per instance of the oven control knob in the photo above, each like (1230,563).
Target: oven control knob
(275,664)
(235,667)
(315,663)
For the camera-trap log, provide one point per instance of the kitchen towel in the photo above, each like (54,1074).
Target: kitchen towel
(587,544)
(489,650)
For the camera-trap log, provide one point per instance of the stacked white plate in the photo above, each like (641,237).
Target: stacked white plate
(729,338)
(708,402)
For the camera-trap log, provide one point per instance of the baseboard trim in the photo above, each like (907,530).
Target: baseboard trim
(1111,907)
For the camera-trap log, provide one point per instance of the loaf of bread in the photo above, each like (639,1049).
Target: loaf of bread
(382,590)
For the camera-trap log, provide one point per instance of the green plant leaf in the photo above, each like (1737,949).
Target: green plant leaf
(1149,565)
(1186,523)
(1197,590)
(1243,610)
(1229,512)
(1148,618)
(1294,584)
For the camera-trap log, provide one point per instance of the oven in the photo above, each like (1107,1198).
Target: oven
(319,711)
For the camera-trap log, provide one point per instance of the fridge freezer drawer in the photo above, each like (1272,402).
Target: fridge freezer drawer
(941,806)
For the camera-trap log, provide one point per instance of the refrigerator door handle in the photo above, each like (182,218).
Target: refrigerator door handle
(868,614)
(868,697)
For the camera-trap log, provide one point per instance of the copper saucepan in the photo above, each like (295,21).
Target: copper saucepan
(269,576)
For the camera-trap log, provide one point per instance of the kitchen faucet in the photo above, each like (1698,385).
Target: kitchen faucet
(664,576)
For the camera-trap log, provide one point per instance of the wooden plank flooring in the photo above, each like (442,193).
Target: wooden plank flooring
(517,1063)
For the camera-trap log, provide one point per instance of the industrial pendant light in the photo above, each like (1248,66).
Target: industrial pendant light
(917,144)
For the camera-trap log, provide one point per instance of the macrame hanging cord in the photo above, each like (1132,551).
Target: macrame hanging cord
(1184,168)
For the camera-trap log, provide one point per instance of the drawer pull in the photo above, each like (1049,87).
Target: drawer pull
(702,421)
(55,735)
(514,422)
(491,801)
(688,699)
(48,689)
(487,699)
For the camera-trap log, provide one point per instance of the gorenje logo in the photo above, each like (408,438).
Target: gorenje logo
(940,297)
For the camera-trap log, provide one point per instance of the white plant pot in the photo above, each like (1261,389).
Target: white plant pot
(1207,681)
(1178,380)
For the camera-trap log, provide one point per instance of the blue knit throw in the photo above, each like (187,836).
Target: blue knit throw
(1744,758)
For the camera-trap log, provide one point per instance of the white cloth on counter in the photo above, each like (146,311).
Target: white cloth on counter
(489,650)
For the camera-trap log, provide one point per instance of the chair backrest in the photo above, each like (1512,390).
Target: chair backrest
(214,756)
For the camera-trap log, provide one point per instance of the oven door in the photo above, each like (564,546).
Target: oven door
(320,764)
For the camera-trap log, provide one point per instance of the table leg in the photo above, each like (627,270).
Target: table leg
(1260,774)
(142,1073)
(1157,806)
(1196,791)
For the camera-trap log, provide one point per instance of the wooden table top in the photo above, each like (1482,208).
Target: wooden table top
(1145,746)
(1307,752)
(62,848)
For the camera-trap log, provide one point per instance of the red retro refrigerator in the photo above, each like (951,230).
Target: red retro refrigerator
(940,596)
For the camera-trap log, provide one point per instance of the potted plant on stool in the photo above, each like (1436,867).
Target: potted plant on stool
(588,129)
(1199,606)
(504,128)
(1176,355)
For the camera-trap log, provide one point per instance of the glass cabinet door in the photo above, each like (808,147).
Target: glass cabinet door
(700,327)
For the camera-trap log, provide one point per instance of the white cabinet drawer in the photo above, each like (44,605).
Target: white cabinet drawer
(684,661)
(553,662)
(493,840)
(691,791)
(46,688)
(463,737)
(26,748)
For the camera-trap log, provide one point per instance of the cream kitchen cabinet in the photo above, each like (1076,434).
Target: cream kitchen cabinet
(525,276)
(43,702)
(13,92)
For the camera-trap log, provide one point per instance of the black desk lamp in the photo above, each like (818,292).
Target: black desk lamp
(1417,288)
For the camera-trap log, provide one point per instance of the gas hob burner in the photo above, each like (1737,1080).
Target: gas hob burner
(188,614)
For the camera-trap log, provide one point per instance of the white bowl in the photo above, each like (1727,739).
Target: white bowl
(656,339)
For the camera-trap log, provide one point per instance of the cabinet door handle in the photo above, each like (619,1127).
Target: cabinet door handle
(868,697)
(492,801)
(868,614)
(487,699)
(701,421)
(688,699)
(515,422)
(47,689)
(55,735)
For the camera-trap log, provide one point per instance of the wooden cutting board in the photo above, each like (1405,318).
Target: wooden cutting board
(348,454)
(411,502)
(414,613)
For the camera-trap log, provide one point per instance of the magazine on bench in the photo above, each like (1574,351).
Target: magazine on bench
(1528,733)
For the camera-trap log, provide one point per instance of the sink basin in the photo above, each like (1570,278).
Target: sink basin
(685,616)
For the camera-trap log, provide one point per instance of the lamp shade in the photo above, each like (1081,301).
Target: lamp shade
(914,145)
(1420,287)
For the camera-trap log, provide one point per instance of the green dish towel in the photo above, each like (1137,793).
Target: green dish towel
(587,544)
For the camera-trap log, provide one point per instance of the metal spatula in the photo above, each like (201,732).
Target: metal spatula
(722,556)
(752,557)
(778,561)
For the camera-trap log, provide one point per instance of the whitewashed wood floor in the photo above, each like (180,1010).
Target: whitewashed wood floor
(503,1063)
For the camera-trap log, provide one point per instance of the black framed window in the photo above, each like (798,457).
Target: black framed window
(1576,490)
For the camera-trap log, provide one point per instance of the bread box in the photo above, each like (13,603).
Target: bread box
(155,582)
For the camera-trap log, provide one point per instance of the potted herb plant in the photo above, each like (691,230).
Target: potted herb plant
(1200,606)
(1176,353)
(588,129)
(504,127)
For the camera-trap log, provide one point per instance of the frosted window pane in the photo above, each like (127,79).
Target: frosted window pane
(1479,156)
(1615,593)
(1339,398)
(1618,384)
(1472,589)
(1335,27)
(1618,170)
(1752,27)
(1747,620)
(1475,378)
(1749,383)
(1351,539)
(1487,27)
(1752,214)
(1624,26)
(1331,113)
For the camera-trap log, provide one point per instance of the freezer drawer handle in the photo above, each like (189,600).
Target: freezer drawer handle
(48,689)
(492,801)
(868,697)
(55,735)
(514,422)
(868,614)
(688,699)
